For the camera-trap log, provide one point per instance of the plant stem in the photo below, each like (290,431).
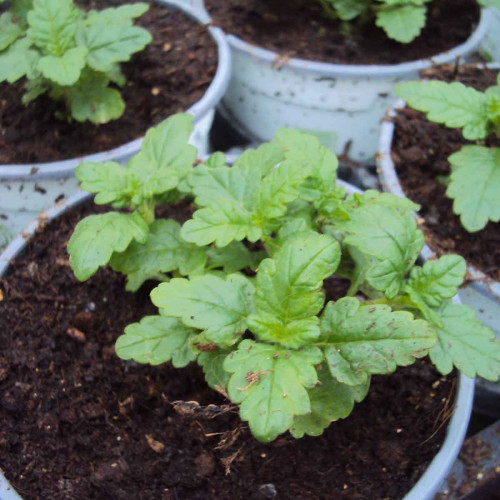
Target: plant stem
(147,211)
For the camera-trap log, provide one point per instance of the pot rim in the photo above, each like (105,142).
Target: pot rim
(213,94)
(390,183)
(331,70)
(427,485)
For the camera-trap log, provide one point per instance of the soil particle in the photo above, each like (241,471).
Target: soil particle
(78,423)
(420,152)
(300,29)
(171,74)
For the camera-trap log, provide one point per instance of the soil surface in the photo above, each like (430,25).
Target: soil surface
(300,29)
(77,423)
(420,152)
(171,74)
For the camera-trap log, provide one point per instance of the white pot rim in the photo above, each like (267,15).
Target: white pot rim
(213,94)
(390,183)
(428,484)
(269,57)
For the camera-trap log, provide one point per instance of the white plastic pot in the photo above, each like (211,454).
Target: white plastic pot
(339,103)
(481,292)
(27,190)
(426,487)
(491,44)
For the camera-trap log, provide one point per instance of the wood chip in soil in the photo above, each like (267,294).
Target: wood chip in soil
(170,75)
(78,423)
(300,29)
(420,152)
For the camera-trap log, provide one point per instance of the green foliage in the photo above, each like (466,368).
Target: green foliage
(473,354)
(474,184)
(156,340)
(243,281)
(402,20)
(70,54)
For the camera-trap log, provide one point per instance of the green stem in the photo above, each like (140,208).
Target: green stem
(147,211)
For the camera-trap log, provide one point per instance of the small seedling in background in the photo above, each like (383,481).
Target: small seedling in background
(474,183)
(70,54)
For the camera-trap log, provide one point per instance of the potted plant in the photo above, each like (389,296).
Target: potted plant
(74,89)
(329,67)
(460,211)
(244,270)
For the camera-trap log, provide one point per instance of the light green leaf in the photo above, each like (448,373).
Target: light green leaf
(96,238)
(271,384)
(475,186)
(210,184)
(91,99)
(349,9)
(330,401)
(288,290)
(370,196)
(306,148)
(108,44)
(490,3)
(452,104)
(263,159)
(163,252)
(216,160)
(53,24)
(118,15)
(17,61)
(279,188)
(9,30)
(109,180)
(466,344)
(65,69)
(233,257)
(222,222)
(437,280)
(402,23)
(166,145)
(361,340)
(218,306)
(156,340)
(392,240)
(212,363)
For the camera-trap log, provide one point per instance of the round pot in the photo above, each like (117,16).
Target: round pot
(340,103)
(491,44)
(426,487)
(26,190)
(481,293)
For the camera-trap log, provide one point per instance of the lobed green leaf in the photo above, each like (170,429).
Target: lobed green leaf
(361,340)
(271,384)
(156,340)
(452,104)
(97,236)
(475,186)
(465,343)
(217,306)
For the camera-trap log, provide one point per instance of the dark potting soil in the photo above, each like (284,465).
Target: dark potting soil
(420,152)
(171,74)
(300,29)
(77,423)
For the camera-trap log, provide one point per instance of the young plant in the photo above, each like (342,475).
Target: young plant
(242,280)
(474,183)
(70,54)
(402,20)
